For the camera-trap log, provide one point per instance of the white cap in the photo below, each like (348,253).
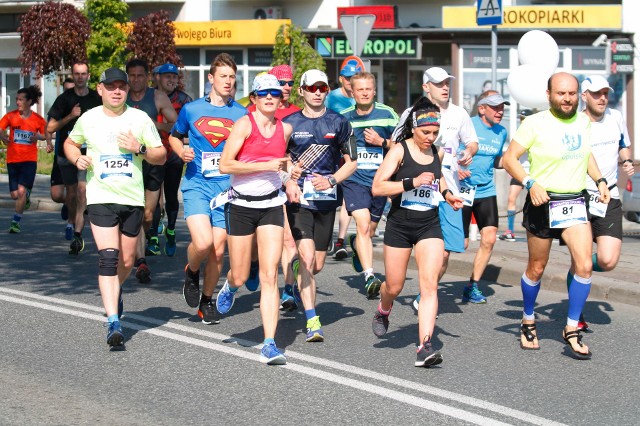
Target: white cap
(595,83)
(312,77)
(265,82)
(435,75)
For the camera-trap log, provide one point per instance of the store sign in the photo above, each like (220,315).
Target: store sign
(481,58)
(543,17)
(385,15)
(377,47)
(260,57)
(621,56)
(589,58)
(256,32)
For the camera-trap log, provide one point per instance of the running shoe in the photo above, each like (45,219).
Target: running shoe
(68,233)
(170,244)
(64,212)
(115,336)
(508,236)
(77,245)
(332,247)
(287,301)
(473,294)
(372,286)
(191,288)
(161,228)
(254,277)
(340,252)
(271,355)
(14,228)
(208,313)
(314,330)
(225,299)
(143,273)
(27,204)
(355,259)
(153,248)
(380,323)
(426,356)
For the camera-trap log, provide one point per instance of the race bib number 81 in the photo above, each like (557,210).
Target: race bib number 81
(566,213)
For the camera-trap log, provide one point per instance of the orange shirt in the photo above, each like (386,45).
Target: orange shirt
(20,147)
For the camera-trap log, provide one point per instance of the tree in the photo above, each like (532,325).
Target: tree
(153,39)
(292,48)
(53,35)
(108,42)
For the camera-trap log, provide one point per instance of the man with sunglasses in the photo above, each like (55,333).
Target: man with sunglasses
(321,138)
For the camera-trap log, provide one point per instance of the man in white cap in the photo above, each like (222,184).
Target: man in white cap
(320,140)
(484,205)
(609,141)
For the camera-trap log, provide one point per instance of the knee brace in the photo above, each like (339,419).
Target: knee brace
(108,262)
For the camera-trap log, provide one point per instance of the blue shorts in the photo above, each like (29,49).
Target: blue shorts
(358,197)
(22,173)
(451,222)
(197,202)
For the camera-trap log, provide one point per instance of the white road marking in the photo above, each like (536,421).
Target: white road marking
(321,374)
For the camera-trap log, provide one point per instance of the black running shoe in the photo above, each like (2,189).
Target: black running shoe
(191,288)
(209,313)
(77,245)
(427,356)
(380,324)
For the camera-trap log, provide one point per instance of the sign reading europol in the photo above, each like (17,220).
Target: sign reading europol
(545,17)
(376,47)
(254,32)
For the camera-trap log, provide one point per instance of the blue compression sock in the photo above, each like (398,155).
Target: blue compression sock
(594,259)
(511,219)
(17,217)
(310,313)
(569,280)
(530,291)
(578,293)
(268,341)
(112,318)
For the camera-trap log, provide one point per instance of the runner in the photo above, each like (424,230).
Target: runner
(26,128)
(206,122)
(320,140)
(255,156)
(559,146)
(118,138)
(63,115)
(373,123)
(411,174)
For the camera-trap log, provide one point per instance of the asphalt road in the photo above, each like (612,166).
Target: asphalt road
(55,367)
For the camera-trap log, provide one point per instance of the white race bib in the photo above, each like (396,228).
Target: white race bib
(467,193)
(421,199)
(223,198)
(596,208)
(447,158)
(566,213)
(369,157)
(211,164)
(22,137)
(310,193)
(116,165)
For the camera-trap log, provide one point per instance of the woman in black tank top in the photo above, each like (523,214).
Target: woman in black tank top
(411,175)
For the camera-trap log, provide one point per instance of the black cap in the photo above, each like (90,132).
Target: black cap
(113,74)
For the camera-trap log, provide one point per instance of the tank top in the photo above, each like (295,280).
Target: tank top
(257,148)
(146,104)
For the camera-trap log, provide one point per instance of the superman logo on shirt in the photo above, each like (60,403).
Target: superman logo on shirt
(215,130)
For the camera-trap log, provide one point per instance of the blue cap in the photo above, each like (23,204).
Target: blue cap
(351,68)
(167,69)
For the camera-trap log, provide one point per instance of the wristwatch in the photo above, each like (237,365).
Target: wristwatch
(332,181)
(142,150)
(602,180)
(527,182)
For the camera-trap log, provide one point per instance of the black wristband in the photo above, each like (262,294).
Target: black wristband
(601,180)
(385,145)
(445,192)
(407,184)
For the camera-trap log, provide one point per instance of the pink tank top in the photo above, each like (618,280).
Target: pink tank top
(259,148)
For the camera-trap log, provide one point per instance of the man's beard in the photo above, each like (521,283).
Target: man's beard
(556,109)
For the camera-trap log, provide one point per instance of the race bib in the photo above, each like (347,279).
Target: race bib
(369,157)
(566,213)
(310,193)
(22,137)
(211,164)
(420,199)
(116,165)
(596,208)
(223,198)
(467,193)
(447,158)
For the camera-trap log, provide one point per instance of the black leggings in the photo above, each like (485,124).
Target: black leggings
(173,174)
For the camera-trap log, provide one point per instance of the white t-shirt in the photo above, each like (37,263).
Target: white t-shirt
(608,136)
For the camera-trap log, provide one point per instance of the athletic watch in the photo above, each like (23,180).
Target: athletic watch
(332,181)
(142,150)
(527,182)
(602,180)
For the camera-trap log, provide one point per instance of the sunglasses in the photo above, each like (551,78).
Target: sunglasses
(313,89)
(286,83)
(275,93)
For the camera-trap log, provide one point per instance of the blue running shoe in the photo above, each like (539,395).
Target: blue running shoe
(314,330)
(271,355)
(115,336)
(170,244)
(64,212)
(355,259)
(287,301)
(161,228)
(224,301)
(473,294)
(254,277)
(68,233)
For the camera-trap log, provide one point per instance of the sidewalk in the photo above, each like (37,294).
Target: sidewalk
(507,264)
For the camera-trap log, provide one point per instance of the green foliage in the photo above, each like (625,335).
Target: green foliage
(152,39)
(292,48)
(53,35)
(108,41)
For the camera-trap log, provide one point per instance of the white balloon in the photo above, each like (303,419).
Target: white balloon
(528,86)
(539,48)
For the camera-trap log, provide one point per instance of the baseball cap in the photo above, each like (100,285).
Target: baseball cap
(435,75)
(312,77)
(282,72)
(493,100)
(113,74)
(351,68)
(167,69)
(265,82)
(595,83)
